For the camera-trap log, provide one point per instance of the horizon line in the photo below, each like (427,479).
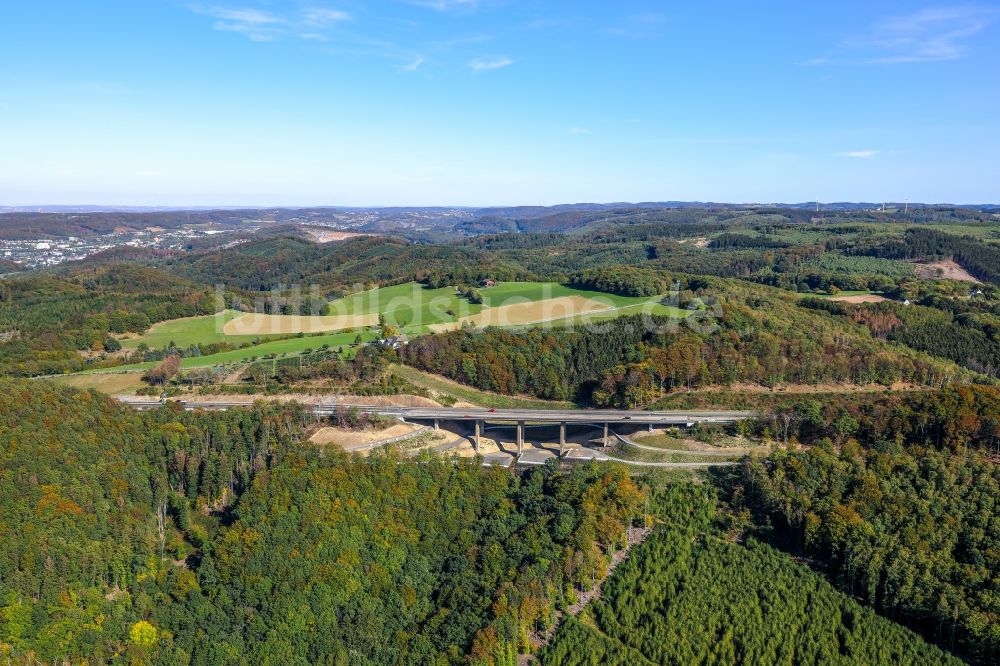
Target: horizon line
(694,203)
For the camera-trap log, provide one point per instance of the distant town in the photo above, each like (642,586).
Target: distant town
(43,252)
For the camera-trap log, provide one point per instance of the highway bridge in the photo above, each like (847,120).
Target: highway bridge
(479,416)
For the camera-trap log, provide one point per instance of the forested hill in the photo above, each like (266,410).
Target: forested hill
(97,500)
(441,222)
(691,595)
(777,247)
(341,267)
(64,319)
(749,334)
(896,499)
(982,260)
(34,225)
(81,307)
(47,319)
(172,537)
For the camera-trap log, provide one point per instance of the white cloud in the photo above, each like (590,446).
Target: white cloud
(579,130)
(257,25)
(248,16)
(482,65)
(264,26)
(446,5)
(321,25)
(321,16)
(930,35)
(860,154)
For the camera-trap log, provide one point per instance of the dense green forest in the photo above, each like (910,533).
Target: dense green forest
(896,496)
(401,563)
(624,280)
(177,537)
(747,336)
(954,418)
(867,532)
(733,240)
(49,318)
(911,531)
(980,259)
(343,267)
(103,499)
(963,335)
(690,595)
(170,537)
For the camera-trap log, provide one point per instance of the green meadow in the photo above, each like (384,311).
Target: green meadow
(647,307)
(410,306)
(288,346)
(188,331)
(514,292)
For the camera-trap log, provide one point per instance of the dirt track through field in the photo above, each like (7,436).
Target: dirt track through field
(264,324)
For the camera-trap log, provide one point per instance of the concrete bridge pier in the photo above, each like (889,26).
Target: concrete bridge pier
(562,437)
(520,437)
(437,424)
(475,441)
(605,435)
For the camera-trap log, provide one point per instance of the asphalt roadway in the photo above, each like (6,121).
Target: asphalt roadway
(673,417)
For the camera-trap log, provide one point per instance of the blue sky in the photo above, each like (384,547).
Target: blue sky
(488,102)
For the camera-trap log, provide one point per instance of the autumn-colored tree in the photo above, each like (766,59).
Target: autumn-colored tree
(166,369)
(143,634)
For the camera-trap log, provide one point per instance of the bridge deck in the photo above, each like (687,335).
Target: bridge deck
(675,417)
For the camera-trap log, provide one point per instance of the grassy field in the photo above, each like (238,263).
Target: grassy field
(648,307)
(684,444)
(188,331)
(665,442)
(415,308)
(507,293)
(409,305)
(289,346)
(412,307)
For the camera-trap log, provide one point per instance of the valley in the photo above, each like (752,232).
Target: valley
(499,333)
(363,416)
